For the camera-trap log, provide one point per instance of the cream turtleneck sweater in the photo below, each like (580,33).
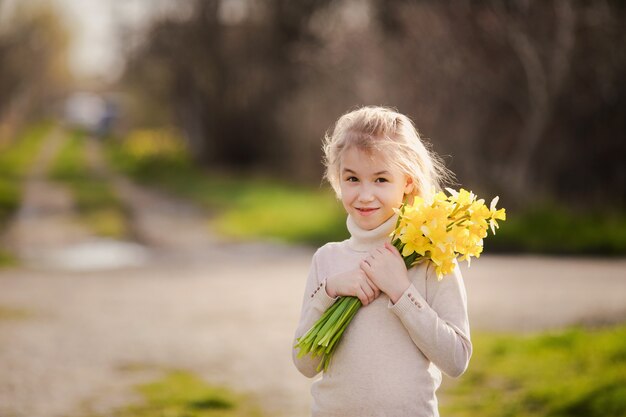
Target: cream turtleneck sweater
(389,359)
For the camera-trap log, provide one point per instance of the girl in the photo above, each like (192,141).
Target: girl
(411,326)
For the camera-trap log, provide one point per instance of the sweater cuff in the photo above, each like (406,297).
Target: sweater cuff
(410,300)
(320,299)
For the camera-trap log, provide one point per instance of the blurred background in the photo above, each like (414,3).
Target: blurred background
(145,139)
(522,99)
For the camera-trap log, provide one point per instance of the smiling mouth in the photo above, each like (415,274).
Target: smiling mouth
(366,210)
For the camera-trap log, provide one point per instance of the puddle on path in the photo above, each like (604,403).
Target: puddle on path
(90,255)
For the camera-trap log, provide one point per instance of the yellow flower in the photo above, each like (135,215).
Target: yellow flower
(440,198)
(444,269)
(436,233)
(462,197)
(445,228)
(461,238)
(414,241)
(443,260)
(499,215)
(495,215)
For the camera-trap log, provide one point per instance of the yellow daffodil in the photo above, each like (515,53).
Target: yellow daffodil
(445,228)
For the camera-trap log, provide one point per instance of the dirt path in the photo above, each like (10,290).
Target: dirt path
(46,218)
(227,312)
(159,220)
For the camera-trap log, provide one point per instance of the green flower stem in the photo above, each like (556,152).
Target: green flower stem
(306,342)
(351,313)
(457,209)
(410,260)
(323,338)
(310,341)
(352,304)
(457,222)
(331,322)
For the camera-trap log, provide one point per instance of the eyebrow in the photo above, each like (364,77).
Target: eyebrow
(375,173)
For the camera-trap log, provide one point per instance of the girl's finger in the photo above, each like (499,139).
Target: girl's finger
(362,297)
(393,249)
(373,287)
(371,283)
(369,292)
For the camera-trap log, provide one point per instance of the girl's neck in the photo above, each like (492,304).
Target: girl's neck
(362,240)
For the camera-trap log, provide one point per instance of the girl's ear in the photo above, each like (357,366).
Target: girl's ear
(410,186)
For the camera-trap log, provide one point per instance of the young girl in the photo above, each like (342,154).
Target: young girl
(411,326)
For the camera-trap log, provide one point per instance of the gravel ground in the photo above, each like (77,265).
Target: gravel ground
(91,335)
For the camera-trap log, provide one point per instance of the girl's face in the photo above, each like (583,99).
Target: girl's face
(371,187)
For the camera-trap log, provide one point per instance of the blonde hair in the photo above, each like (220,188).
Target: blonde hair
(379,128)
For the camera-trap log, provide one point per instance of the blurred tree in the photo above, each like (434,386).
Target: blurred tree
(224,73)
(33,65)
(527,96)
(505,87)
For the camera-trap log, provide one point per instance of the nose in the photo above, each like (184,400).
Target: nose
(366,194)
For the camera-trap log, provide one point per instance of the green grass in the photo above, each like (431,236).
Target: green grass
(288,213)
(98,206)
(571,373)
(182,394)
(7,259)
(15,159)
(548,228)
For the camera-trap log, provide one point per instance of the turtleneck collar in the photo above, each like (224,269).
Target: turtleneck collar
(362,240)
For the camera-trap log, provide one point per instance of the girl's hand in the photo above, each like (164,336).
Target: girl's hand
(353,283)
(385,268)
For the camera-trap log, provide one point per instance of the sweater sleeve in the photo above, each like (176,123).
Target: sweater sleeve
(315,302)
(439,327)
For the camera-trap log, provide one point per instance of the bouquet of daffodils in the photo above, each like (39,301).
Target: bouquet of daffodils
(442,230)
